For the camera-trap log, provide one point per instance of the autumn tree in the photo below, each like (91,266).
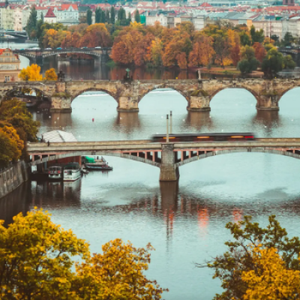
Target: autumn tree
(118,273)
(31,73)
(50,74)
(37,259)
(260,51)
(15,113)
(222,51)
(231,266)
(156,52)
(11,145)
(202,51)
(95,35)
(270,278)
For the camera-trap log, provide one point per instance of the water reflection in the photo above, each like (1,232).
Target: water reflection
(127,122)
(199,120)
(267,120)
(55,193)
(15,202)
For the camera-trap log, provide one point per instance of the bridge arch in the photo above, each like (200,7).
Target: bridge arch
(93,153)
(54,53)
(242,150)
(113,95)
(164,86)
(16,92)
(215,92)
(284,92)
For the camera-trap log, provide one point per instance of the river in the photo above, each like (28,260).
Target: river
(184,223)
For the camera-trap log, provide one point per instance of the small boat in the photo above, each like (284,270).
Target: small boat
(72,172)
(55,173)
(84,171)
(96,164)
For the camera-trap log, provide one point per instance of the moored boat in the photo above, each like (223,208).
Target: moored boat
(55,173)
(72,172)
(96,164)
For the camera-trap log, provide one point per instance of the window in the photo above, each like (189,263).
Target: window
(6,79)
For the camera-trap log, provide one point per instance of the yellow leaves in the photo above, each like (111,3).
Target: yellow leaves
(31,73)
(50,74)
(270,278)
(36,259)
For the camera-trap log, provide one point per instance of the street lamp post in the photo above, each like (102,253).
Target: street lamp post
(167,128)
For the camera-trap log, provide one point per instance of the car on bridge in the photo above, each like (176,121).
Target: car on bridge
(98,47)
(84,47)
(59,48)
(48,49)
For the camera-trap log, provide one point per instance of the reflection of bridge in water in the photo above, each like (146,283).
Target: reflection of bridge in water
(167,156)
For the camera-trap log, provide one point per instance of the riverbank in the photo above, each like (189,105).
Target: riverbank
(12,177)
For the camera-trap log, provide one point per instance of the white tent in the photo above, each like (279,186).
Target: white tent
(58,136)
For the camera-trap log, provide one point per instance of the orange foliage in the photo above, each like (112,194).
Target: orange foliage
(235,54)
(181,60)
(202,52)
(260,51)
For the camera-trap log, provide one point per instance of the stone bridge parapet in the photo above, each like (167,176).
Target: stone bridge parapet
(128,94)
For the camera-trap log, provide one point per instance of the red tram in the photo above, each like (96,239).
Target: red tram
(204,137)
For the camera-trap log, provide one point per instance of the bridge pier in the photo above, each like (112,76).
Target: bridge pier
(168,169)
(128,104)
(61,100)
(268,101)
(199,103)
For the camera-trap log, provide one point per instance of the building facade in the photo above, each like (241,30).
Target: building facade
(9,66)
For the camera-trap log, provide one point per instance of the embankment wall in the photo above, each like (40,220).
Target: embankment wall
(12,177)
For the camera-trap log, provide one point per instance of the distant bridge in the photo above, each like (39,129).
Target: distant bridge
(167,156)
(18,34)
(128,94)
(37,55)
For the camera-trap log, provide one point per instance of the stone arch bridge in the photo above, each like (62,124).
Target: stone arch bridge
(167,156)
(128,94)
(35,55)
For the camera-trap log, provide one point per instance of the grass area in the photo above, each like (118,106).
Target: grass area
(228,71)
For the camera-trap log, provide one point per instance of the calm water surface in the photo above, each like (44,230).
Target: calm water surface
(184,222)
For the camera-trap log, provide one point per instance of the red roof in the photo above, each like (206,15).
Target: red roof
(66,6)
(205,4)
(50,14)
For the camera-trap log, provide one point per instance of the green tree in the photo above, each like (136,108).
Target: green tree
(112,15)
(121,14)
(289,62)
(32,21)
(103,17)
(288,39)
(137,16)
(98,15)
(257,35)
(272,63)
(230,266)
(107,18)
(89,17)
(245,38)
